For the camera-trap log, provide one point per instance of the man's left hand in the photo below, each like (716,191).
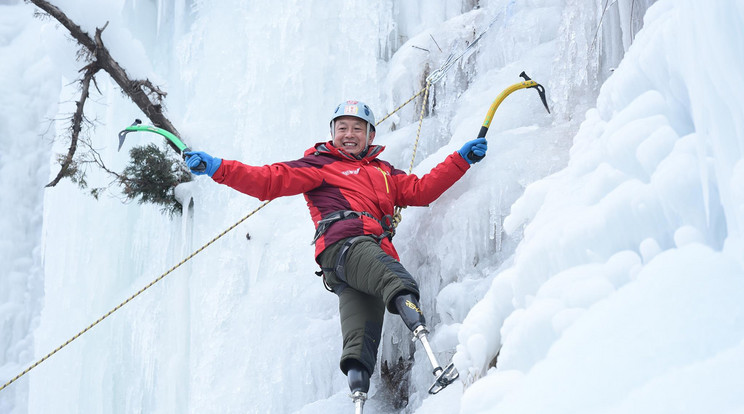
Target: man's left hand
(474,151)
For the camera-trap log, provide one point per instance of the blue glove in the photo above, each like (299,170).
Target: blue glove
(474,151)
(201,163)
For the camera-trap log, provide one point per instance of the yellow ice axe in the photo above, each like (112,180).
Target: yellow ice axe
(527,83)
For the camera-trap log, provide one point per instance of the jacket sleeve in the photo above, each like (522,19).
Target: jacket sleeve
(415,191)
(269,181)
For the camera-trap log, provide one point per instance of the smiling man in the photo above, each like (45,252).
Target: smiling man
(352,134)
(351,195)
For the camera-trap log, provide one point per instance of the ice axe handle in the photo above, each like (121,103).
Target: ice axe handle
(471,154)
(199,168)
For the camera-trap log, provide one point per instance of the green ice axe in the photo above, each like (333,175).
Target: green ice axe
(137,126)
(528,83)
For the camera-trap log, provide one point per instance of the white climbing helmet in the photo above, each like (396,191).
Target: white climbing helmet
(356,109)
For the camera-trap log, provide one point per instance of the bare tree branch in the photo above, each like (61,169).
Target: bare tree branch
(77,120)
(98,160)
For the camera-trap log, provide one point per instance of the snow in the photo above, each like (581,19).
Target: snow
(592,263)
(652,332)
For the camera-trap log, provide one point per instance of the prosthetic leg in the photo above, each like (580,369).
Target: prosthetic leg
(359,385)
(410,311)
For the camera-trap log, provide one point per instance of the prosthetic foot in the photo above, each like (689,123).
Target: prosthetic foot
(410,311)
(359,385)
(443,376)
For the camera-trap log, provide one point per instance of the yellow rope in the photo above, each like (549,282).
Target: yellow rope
(403,104)
(421,121)
(131,297)
(397,217)
(424,90)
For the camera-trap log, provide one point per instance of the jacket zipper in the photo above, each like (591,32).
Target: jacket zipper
(384,175)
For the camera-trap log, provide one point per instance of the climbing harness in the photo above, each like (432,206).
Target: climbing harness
(340,267)
(388,231)
(323,224)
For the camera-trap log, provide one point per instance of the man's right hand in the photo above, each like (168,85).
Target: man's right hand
(194,160)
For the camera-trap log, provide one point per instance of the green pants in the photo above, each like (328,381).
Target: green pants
(369,283)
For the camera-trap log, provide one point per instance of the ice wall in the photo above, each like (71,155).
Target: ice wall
(619,244)
(29,82)
(246,326)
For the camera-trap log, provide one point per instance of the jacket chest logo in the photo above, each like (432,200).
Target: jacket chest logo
(350,172)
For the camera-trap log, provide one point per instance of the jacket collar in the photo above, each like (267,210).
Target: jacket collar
(327,148)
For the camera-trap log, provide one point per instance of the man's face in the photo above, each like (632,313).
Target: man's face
(350,134)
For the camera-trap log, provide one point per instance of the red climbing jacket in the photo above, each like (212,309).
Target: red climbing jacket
(333,180)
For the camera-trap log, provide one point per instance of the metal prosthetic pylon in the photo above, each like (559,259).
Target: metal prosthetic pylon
(358,398)
(443,376)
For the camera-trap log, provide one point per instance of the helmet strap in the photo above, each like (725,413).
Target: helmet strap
(366,144)
(363,153)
